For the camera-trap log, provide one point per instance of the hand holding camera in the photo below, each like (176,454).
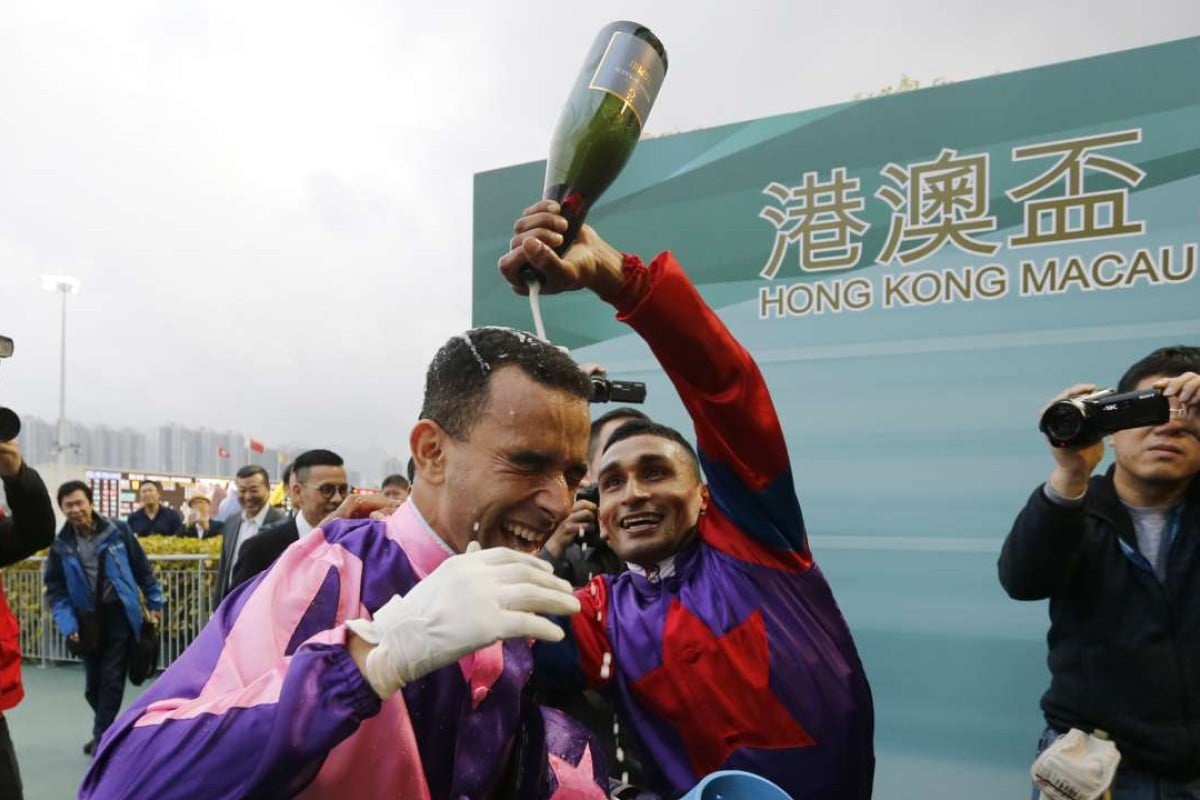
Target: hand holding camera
(10,459)
(10,423)
(580,524)
(1077,420)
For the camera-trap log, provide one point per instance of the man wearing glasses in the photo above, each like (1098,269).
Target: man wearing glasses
(317,488)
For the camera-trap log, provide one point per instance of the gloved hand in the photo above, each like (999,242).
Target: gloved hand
(470,601)
(1076,767)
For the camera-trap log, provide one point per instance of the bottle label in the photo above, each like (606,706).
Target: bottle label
(631,70)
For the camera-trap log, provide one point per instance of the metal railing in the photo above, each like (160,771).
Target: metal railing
(187,585)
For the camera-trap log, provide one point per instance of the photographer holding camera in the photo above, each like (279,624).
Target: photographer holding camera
(576,549)
(28,528)
(1118,555)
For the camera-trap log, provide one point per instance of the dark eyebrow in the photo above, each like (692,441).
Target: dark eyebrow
(537,461)
(644,460)
(530,459)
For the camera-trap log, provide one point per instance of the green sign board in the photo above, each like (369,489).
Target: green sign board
(916,274)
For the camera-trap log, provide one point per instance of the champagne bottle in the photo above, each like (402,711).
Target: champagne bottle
(602,120)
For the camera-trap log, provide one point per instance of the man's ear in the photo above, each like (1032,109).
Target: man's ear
(705,498)
(428,443)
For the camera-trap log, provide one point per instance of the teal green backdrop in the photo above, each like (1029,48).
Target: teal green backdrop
(916,274)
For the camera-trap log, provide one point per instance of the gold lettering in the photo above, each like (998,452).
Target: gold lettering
(1034,283)
(1098,276)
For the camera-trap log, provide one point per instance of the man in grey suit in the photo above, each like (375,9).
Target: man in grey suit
(254,489)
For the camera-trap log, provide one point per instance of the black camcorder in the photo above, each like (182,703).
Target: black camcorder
(1086,419)
(10,423)
(590,534)
(605,390)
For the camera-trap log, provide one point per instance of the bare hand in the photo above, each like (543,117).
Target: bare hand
(590,263)
(73,638)
(361,506)
(152,617)
(1074,464)
(10,459)
(1186,387)
(581,518)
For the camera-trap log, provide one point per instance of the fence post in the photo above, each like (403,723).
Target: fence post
(47,622)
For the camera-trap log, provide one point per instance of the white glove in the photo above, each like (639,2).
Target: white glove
(1076,767)
(470,601)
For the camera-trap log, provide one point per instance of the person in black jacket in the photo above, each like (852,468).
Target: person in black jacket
(317,487)
(1118,555)
(29,528)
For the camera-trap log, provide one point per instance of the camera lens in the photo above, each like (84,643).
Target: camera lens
(1062,422)
(10,424)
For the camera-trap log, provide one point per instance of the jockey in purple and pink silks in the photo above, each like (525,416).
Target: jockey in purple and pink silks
(388,659)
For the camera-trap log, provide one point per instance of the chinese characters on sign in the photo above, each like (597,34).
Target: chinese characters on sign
(946,201)
(1081,194)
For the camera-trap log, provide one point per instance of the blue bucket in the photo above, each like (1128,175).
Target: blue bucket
(735,785)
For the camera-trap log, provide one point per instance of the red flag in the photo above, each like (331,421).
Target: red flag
(222,452)
(256,445)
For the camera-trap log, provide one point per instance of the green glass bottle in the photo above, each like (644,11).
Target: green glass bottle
(603,118)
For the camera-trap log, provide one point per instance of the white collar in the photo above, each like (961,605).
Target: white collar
(260,516)
(302,526)
(664,569)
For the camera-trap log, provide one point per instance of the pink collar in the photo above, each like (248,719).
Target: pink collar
(425,549)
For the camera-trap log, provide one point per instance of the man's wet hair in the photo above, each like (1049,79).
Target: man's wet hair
(1168,361)
(646,427)
(458,380)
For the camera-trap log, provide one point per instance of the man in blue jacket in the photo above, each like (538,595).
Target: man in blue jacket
(93,575)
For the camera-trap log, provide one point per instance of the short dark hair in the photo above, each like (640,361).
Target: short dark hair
(459,377)
(622,412)
(287,472)
(410,469)
(314,458)
(396,480)
(645,427)
(71,487)
(250,470)
(1168,361)
(153,483)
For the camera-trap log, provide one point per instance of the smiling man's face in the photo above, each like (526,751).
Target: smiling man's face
(650,498)
(511,480)
(1163,454)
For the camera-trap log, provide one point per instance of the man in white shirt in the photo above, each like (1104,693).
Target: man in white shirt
(254,488)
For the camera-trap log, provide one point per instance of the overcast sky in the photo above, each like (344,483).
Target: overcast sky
(269,203)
